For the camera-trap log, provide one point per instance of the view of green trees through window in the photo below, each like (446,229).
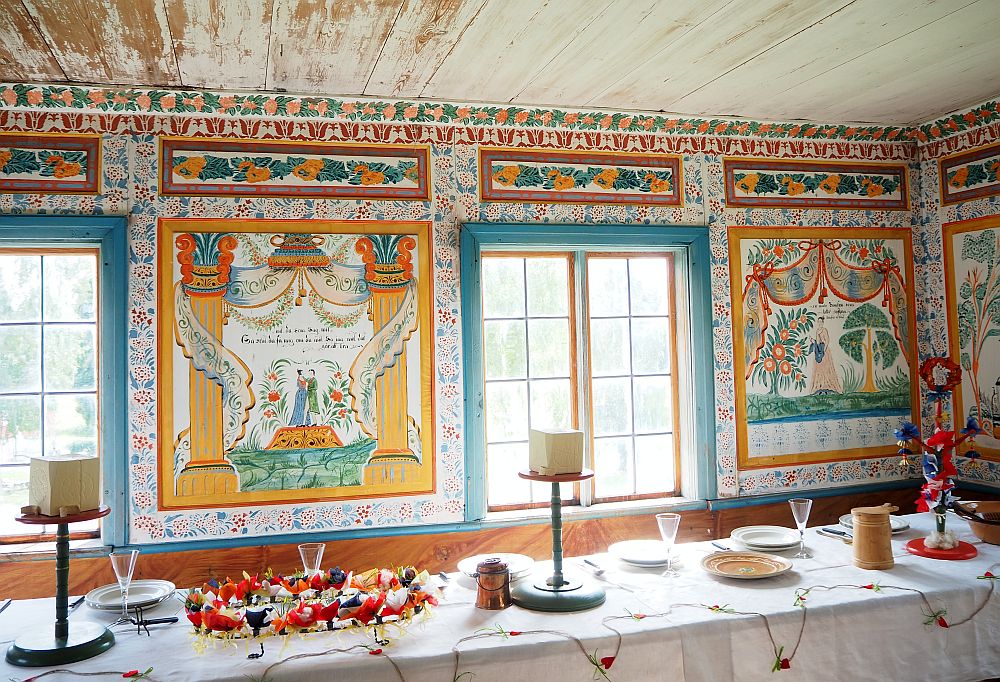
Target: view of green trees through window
(531,322)
(48,365)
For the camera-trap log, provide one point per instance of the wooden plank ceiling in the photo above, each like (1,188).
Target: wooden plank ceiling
(881,61)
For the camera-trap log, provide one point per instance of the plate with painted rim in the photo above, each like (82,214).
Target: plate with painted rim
(766,537)
(745,565)
(141,593)
(896,523)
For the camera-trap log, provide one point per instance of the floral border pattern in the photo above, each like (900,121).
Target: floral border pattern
(50,164)
(188,167)
(977,116)
(970,175)
(138,100)
(543,175)
(812,184)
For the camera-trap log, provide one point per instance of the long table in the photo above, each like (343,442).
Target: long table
(854,632)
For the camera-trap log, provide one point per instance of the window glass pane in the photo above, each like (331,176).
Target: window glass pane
(70,424)
(503,287)
(13,496)
(551,404)
(21,359)
(548,340)
(506,413)
(609,347)
(21,279)
(70,291)
(652,404)
(20,429)
(69,357)
(548,286)
(503,462)
(612,406)
(504,347)
(649,286)
(654,463)
(613,473)
(651,345)
(608,286)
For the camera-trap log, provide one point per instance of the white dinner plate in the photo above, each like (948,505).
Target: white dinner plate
(517,564)
(896,523)
(641,552)
(766,537)
(141,593)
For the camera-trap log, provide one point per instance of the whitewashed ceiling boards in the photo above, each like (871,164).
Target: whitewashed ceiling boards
(881,61)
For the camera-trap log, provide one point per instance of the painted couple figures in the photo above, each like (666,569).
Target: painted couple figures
(306,399)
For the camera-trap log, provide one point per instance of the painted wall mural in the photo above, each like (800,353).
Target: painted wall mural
(970,174)
(824,340)
(815,184)
(50,164)
(537,175)
(972,273)
(202,167)
(294,360)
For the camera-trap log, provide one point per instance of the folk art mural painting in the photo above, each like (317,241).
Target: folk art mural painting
(295,360)
(972,273)
(824,340)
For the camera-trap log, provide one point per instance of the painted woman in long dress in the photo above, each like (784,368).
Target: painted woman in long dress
(299,415)
(824,376)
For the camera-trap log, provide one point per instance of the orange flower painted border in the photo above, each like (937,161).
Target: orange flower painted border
(197,166)
(54,163)
(775,183)
(582,177)
(969,175)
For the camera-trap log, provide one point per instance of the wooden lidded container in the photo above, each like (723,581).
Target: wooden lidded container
(872,537)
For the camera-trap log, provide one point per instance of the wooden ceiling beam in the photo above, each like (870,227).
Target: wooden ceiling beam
(108,41)
(221,43)
(24,54)
(321,46)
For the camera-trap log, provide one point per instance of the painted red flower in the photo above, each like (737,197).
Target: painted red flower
(273,396)
(337,396)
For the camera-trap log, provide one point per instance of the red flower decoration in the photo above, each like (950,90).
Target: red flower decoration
(514,633)
(785,664)
(607,661)
(375,652)
(942,622)
(131,673)
(273,397)
(942,438)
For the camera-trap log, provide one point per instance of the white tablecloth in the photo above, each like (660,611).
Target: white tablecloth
(850,634)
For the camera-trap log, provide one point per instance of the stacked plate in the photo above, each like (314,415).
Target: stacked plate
(141,594)
(766,538)
(896,523)
(641,552)
(519,565)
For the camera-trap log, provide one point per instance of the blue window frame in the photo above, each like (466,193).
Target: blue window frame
(691,246)
(106,234)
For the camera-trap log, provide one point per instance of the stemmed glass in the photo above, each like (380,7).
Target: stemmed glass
(669,523)
(124,565)
(800,512)
(311,554)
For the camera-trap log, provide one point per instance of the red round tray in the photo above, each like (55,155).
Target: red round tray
(963,551)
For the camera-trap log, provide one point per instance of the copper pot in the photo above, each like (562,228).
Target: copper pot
(493,578)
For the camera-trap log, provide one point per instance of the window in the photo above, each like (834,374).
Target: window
(63,315)
(589,328)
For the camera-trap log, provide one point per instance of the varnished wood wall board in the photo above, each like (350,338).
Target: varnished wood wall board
(35,577)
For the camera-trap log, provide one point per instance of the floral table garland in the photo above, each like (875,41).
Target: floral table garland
(383,581)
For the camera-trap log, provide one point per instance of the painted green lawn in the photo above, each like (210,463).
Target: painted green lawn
(302,469)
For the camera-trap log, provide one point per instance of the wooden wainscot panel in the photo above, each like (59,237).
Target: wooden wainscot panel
(33,576)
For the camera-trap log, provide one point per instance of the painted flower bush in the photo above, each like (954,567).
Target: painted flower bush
(835,184)
(44,163)
(782,362)
(276,167)
(569,177)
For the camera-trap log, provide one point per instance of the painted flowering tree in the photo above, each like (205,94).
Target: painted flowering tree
(979,309)
(869,341)
(782,361)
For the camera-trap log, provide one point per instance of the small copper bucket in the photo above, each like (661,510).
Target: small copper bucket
(493,578)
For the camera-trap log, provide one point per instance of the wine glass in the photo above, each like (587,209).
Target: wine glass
(669,523)
(800,512)
(311,554)
(123,563)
